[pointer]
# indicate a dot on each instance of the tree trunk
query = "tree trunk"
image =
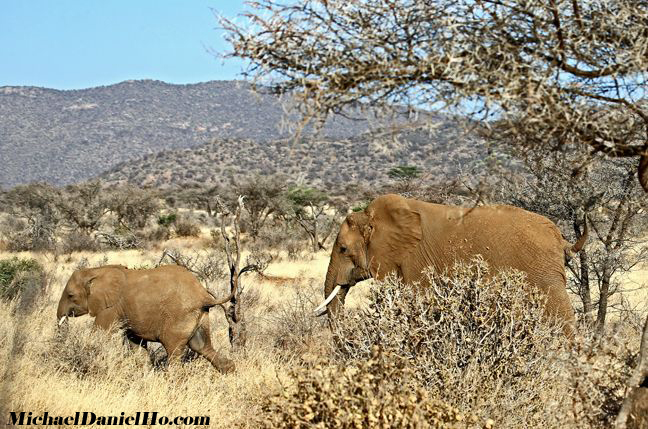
(603, 298)
(584, 286)
(585, 290)
(237, 331)
(634, 412)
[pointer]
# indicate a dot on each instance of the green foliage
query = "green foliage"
(405, 172)
(360, 207)
(380, 392)
(20, 276)
(167, 219)
(303, 196)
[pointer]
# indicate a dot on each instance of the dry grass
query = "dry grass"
(91, 371)
(44, 369)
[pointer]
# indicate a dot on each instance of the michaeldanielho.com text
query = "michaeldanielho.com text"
(89, 418)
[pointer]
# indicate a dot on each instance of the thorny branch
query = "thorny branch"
(548, 73)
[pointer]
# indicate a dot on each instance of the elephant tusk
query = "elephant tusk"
(61, 320)
(323, 305)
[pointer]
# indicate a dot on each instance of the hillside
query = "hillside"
(65, 136)
(323, 162)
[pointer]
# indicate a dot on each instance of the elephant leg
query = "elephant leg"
(558, 305)
(177, 334)
(134, 340)
(107, 319)
(200, 342)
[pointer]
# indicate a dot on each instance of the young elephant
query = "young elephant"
(165, 304)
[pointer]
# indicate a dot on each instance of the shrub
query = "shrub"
(292, 328)
(380, 392)
(36, 236)
(24, 278)
(294, 248)
(87, 353)
(360, 207)
(167, 219)
(76, 241)
(186, 228)
(161, 233)
(478, 341)
(597, 370)
(120, 240)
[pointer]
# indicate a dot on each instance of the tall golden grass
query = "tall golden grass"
(77, 369)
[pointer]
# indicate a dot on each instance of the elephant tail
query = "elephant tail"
(213, 301)
(573, 249)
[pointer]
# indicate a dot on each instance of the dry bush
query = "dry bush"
(120, 239)
(76, 241)
(88, 353)
(294, 248)
(159, 233)
(21, 236)
(597, 370)
(210, 267)
(24, 279)
(291, 327)
(186, 228)
(381, 392)
(475, 340)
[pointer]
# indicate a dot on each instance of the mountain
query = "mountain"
(328, 163)
(63, 137)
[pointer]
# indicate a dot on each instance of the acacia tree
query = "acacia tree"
(608, 195)
(35, 205)
(552, 73)
(264, 196)
(308, 206)
(83, 205)
(132, 206)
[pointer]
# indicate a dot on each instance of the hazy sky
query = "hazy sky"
(69, 44)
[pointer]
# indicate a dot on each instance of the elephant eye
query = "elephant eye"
(343, 249)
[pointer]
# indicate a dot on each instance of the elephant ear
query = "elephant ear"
(103, 289)
(395, 233)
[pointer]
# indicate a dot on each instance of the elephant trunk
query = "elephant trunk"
(61, 311)
(334, 306)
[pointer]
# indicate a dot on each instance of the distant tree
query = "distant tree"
(132, 206)
(264, 196)
(405, 178)
(83, 205)
(308, 206)
(552, 73)
(35, 204)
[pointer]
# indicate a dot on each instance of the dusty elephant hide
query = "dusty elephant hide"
(165, 304)
(404, 236)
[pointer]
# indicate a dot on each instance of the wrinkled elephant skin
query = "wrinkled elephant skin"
(165, 304)
(404, 236)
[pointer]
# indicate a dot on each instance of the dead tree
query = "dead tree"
(634, 412)
(232, 241)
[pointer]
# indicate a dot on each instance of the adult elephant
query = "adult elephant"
(165, 304)
(396, 234)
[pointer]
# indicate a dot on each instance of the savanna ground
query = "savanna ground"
(62, 371)
(41, 377)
